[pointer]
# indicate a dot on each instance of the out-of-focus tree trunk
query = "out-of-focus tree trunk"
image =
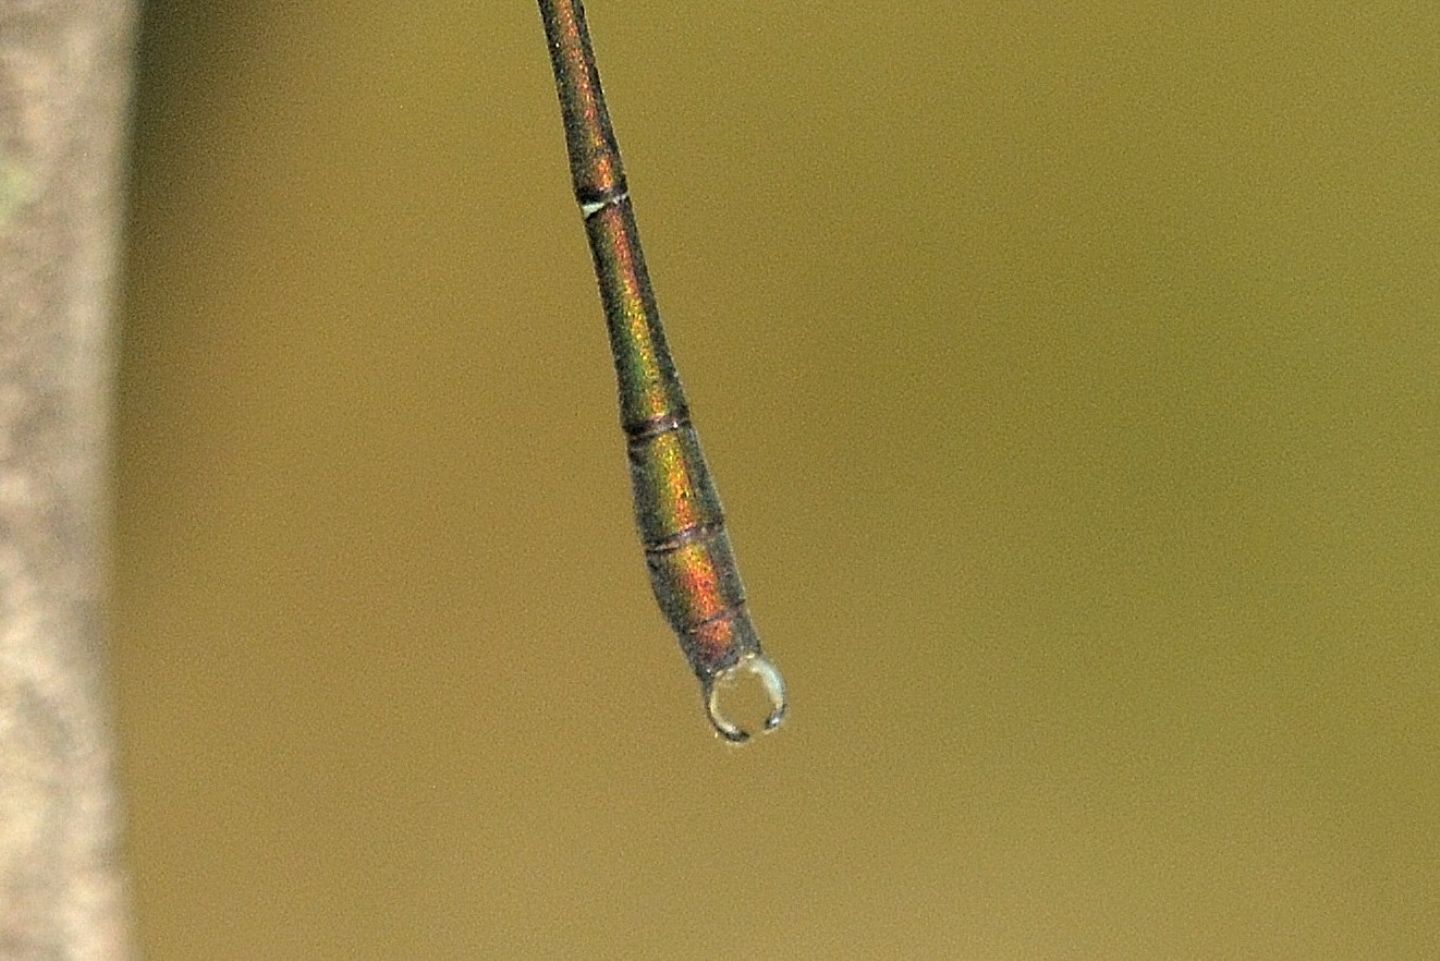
(64, 86)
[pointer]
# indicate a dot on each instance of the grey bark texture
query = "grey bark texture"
(64, 90)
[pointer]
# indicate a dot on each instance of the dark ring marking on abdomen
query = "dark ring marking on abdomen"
(731, 612)
(593, 201)
(696, 533)
(655, 426)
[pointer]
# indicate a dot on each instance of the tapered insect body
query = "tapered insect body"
(692, 568)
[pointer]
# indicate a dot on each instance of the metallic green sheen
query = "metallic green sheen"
(673, 491)
(687, 552)
(649, 385)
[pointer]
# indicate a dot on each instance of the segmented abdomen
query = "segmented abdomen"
(692, 569)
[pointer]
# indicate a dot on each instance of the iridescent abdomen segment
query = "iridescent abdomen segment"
(692, 569)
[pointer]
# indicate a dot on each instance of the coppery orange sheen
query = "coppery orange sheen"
(681, 524)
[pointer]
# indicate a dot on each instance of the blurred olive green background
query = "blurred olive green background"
(1069, 373)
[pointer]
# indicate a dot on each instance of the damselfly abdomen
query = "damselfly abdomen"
(692, 569)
